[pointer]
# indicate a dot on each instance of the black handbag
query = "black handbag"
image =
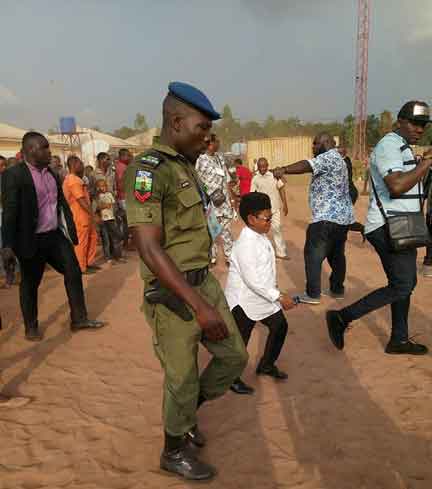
(405, 230)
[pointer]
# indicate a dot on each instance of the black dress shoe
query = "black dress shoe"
(239, 387)
(184, 463)
(336, 328)
(407, 348)
(32, 333)
(272, 371)
(87, 324)
(94, 267)
(195, 436)
(89, 271)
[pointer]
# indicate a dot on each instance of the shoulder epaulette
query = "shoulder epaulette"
(151, 158)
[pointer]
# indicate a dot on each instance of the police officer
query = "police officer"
(183, 303)
(213, 173)
(396, 175)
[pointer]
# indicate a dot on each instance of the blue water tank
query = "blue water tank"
(67, 125)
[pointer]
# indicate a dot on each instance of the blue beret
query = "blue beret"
(194, 97)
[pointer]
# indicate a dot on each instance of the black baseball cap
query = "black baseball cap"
(415, 111)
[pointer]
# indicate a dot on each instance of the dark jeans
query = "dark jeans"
(278, 328)
(52, 248)
(401, 270)
(325, 239)
(111, 240)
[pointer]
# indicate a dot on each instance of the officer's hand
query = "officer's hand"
(286, 302)
(7, 254)
(212, 324)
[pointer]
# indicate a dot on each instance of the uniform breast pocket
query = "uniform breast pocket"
(190, 213)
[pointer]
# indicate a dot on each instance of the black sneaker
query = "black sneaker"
(336, 328)
(271, 371)
(239, 387)
(406, 348)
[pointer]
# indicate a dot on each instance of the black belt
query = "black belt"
(196, 277)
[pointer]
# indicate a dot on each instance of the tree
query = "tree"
(386, 122)
(426, 139)
(227, 113)
(373, 134)
(124, 132)
(347, 133)
(140, 123)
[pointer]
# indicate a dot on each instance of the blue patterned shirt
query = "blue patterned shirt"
(329, 196)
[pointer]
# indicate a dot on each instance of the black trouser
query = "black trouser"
(325, 239)
(111, 239)
(52, 248)
(122, 224)
(401, 270)
(278, 328)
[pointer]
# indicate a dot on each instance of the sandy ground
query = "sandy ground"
(357, 419)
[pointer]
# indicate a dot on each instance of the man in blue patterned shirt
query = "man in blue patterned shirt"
(332, 213)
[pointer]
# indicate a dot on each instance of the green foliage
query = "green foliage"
(386, 122)
(140, 123)
(426, 140)
(373, 134)
(124, 132)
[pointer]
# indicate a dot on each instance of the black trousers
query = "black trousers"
(52, 248)
(111, 239)
(278, 329)
(122, 225)
(401, 270)
(325, 239)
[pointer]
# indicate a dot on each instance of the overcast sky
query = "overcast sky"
(105, 60)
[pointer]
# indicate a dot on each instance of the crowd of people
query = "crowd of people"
(178, 201)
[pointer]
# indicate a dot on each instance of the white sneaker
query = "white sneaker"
(329, 293)
(305, 299)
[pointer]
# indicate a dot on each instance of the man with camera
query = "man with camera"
(396, 186)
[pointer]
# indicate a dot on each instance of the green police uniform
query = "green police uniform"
(162, 189)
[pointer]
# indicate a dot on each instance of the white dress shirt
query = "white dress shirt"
(251, 282)
(268, 184)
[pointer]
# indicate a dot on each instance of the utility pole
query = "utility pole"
(361, 84)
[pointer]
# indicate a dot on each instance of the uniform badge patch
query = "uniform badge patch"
(143, 185)
(151, 160)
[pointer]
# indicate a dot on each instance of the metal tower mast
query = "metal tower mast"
(360, 112)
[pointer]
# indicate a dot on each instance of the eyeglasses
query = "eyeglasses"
(266, 219)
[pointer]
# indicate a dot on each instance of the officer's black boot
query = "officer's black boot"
(176, 458)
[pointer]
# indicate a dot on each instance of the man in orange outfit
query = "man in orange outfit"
(78, 198)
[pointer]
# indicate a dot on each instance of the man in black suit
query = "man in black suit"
(38, 228)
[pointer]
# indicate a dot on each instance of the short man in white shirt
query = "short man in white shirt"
(251, 290)
(265, 182)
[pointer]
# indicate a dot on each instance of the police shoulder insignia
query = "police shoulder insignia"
(152, 160)
(143, 185)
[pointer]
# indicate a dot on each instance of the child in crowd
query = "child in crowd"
(104, 206)
(251, 288)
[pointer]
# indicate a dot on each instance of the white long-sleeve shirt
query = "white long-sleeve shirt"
(251, 282)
